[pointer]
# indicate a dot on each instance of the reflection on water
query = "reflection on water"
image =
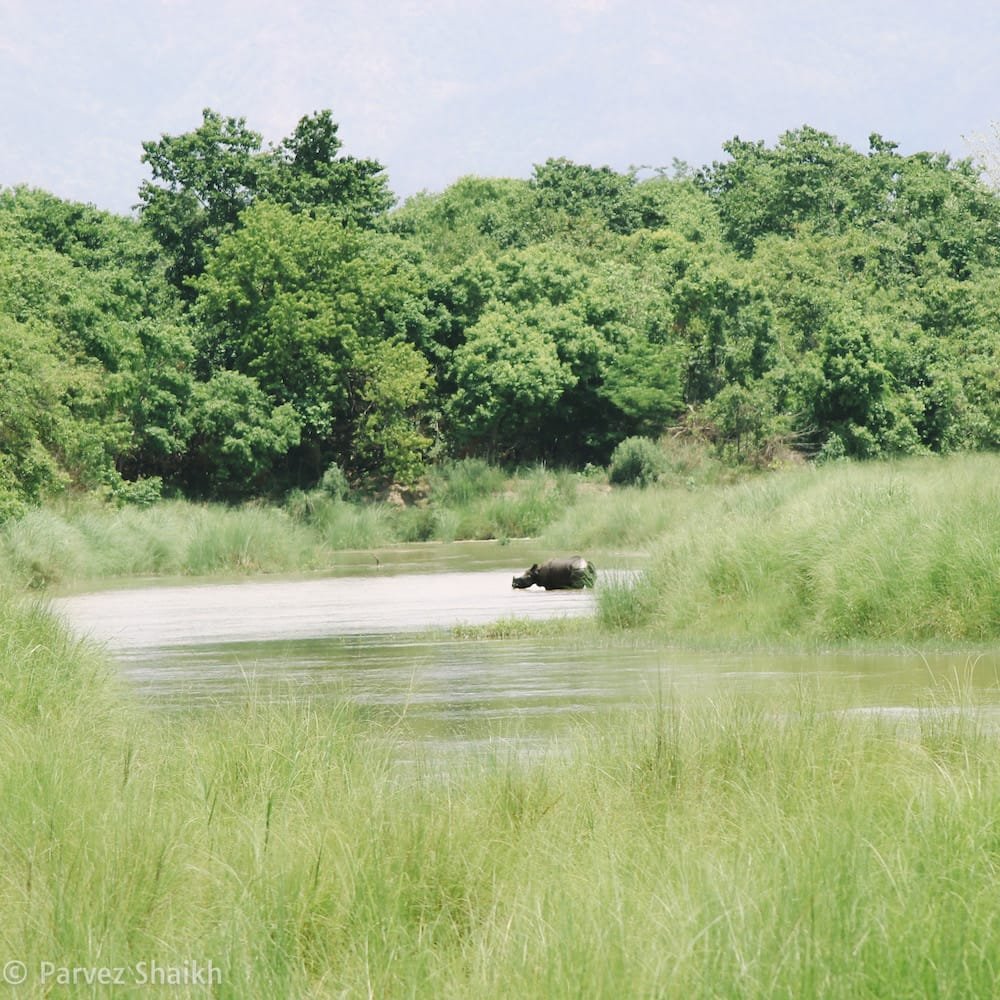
(359, 637)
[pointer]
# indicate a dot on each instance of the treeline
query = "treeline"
(268, 316)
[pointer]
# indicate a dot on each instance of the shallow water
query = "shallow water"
(364, 635)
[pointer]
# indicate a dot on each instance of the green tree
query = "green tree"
(546, 304)
(940, 209)
(644, 381)
(89, 284)
(842, 386)
(509, 381)
(725, 320)
(474, 215)
(204, 179)
(924, 204)
(809, 176)
(237, 435)
(157, 395)
(745, 423)
(37, 432)
(307, 171)
(576, 190)
(681, 205)
(391, 384)
(924, 322)
(322, 317)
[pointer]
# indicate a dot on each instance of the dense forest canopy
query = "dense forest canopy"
(270, 313)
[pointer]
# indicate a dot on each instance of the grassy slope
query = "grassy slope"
(891, 552)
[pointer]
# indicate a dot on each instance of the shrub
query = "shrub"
(334, 482)
(416, 524)
(637, 461)
(144, 492)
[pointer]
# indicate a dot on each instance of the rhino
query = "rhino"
(574, 573)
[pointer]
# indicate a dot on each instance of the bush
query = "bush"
(416, 524)
(334, 482)
(637, 461)
(143, 492)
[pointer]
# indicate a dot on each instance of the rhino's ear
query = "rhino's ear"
(534, 568)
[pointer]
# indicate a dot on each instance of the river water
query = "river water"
(375, 633)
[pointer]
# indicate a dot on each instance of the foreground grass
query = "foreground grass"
(708, 849)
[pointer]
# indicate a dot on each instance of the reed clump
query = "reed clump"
(729, 847)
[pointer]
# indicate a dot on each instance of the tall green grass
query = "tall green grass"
(729, 848)
(86, 540)
(627, 518)
(894, 552)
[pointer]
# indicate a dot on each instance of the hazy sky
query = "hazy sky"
(436, 89)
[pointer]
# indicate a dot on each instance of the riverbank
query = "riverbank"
(83, 541)
(904, 553)
(738, 846)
